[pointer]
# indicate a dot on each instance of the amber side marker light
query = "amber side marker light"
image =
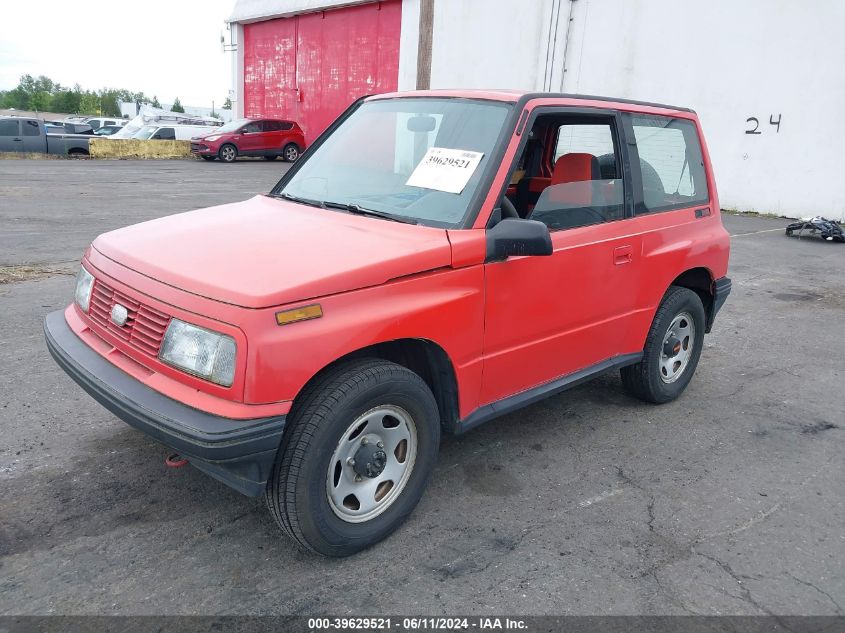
(299, 314)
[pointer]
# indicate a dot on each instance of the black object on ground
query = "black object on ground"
(829, 230)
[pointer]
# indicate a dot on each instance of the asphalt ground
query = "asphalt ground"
(730, 500)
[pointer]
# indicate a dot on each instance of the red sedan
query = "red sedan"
(269, 138)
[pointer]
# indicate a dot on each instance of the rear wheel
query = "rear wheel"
(228, 153)
(672, 349)
(361, 445)
(291, 152)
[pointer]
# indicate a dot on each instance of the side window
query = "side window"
(595, 139)
(586, 184)
(30, 128)
(9, 127)
(272, 126)
(670, 162)
(166, 134)
(250, 128)
(284, 126)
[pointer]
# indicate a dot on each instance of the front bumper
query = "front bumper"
(202, 149)
(240, 453)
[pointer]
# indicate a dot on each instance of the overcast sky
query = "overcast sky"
(166, 48)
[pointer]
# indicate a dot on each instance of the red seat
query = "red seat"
(570, 169)
(575, 167)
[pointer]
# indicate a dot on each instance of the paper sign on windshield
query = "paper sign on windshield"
(445, 169)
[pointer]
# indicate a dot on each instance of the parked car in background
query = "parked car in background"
(402, 281)
(173, 132)
(107, 130)
(18, 134)
(68, 127)
(269, 138)
(98, 122)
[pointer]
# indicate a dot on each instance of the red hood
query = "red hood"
(265, 252)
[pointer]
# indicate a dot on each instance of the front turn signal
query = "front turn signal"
(299, 314)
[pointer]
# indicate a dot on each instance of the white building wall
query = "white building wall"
(484, 44)
(728, 60)
(409, 39)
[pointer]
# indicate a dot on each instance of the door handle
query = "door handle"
(19, 140)
(623, 255)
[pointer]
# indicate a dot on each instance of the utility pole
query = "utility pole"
(424, 45)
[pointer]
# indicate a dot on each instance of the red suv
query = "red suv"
(438, 259)
(252, 137)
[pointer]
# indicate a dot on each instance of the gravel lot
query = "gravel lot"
(730, 500)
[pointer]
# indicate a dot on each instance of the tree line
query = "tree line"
(42, 94)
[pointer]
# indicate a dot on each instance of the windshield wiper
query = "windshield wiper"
(359, 210)
(293, 198)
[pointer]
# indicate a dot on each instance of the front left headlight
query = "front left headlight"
(84, 285)
(195, 350)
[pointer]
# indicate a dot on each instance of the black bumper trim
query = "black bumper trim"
(240, 453)
(721, 290)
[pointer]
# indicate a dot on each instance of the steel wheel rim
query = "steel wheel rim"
(677, 348)
(291, 153)
(354, 497)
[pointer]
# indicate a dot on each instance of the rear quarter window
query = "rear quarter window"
(670, 162)
(30, 128)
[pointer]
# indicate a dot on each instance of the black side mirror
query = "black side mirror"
(512, 237)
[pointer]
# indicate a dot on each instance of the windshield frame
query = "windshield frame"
(488, 174)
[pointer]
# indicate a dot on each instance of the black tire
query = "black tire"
(208, 158)
(297, 489)
(644, 380)
(227, 153)
(291, 152)
(271, 157)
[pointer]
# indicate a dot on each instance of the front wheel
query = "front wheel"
(291, 152)
(356, 458)
(672, 349)
(228, 153)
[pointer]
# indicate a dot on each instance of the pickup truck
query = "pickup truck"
(20, 134)
(436, 259)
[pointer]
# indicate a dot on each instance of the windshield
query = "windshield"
(146, 132)
(414, 158)
(231, 126)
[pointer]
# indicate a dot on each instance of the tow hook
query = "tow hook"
(175, 461)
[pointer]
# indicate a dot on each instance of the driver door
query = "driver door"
(548, 317)
(252, 138)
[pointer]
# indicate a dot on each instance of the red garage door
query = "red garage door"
(311, 67)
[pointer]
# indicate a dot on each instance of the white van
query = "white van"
(173, 132)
